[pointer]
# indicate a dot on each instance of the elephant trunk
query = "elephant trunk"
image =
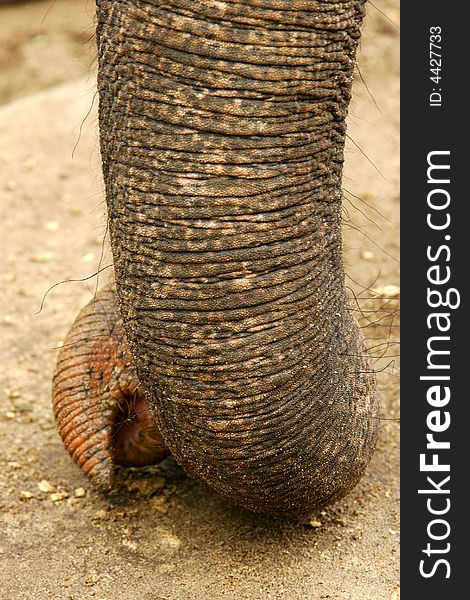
(222, 133)
(99, 409)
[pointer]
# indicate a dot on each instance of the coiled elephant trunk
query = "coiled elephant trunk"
(222, 132)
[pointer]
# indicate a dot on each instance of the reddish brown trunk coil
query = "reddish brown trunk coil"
(99, 406)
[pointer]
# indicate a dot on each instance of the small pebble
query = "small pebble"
(369, 194)
(170, 541)
(46, 486)
(9, 277)
(129, 544)
(14, 465)
(392, 532)
(41, 257)
(11, 185)
(315, 524)
(59, 496)
(13, 394)
(24, 495)
(80, 492)
(88, 257)
(91, 578)
(51, 226)
(101, 515)
(28, 164)
(8, 320)
(10, 414)
(388, 291)
(160, 504)
(147, 487)
(75, 211)
(367, 255)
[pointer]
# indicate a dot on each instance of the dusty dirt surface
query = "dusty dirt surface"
(159, 535)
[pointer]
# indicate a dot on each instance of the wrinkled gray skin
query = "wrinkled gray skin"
(222, 130)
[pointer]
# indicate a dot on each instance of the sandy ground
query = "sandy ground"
(159, 535)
